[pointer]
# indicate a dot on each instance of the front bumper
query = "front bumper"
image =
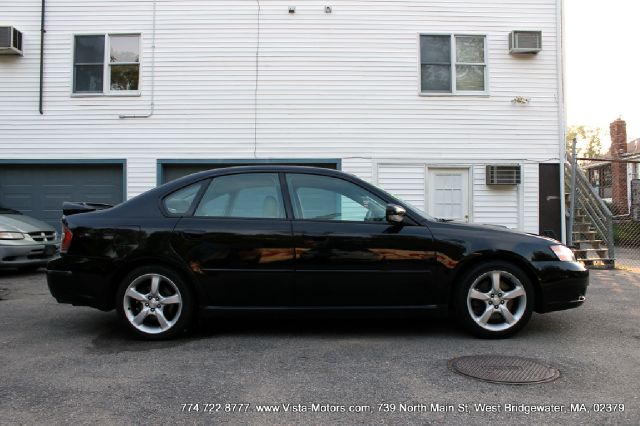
(83, 283)
(563, 285)
(16, 256)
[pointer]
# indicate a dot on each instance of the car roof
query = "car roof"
(260, 168)
(275, 168)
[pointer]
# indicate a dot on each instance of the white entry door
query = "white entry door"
(449, 193)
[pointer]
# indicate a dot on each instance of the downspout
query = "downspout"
(561, 114)
(153, 70)
(42, 31)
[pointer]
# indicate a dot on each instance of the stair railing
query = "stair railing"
(588, 200)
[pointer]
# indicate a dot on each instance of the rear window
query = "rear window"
(180, 201)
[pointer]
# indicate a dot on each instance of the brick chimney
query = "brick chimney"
(618, 130)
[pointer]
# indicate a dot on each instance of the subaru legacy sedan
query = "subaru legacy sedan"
(268, 238)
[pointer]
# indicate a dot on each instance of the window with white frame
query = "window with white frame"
(113, 59)
(453, 64)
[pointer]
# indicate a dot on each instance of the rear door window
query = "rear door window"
(251, 195)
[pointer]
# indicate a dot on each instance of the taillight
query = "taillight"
(67, 236)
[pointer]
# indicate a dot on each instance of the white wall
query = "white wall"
(340, 85)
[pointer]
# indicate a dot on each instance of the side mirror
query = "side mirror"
(395, 213)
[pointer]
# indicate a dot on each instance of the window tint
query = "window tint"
(253, 195)
(180, 201)
(327, 198)
(216, 206)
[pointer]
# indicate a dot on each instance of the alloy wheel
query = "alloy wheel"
(497, 300)
(152, 303)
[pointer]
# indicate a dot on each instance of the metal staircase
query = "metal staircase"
(592, 238)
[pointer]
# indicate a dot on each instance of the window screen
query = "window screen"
(435, 53)
(452, 63)
(88, 73)
(122, 69)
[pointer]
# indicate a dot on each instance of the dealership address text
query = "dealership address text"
(385, 407)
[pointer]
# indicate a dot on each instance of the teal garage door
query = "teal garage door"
(38, 190)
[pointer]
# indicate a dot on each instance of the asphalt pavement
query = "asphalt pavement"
(64, 364)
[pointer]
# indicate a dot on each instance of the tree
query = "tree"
(589, 144)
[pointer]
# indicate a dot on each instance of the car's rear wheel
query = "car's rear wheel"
(494, 300)
(154, 302)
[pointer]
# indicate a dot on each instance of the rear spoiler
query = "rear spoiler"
(74, 207)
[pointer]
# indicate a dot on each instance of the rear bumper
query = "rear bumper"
(16, 256)
(563, 285)
(72, 283)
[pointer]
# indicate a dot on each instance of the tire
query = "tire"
(155, 303)
(489, 311)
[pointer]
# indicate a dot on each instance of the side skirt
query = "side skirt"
(330, 311)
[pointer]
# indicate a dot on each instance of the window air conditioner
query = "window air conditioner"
(525, 41)
(503, 175)
(10, 41)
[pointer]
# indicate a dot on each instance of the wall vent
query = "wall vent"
(503, 175)
(10, 41)
(525, 41)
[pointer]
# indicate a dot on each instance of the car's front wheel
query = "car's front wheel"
(154, 302)
(494, 300)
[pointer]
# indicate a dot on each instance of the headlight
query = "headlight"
(563, 253)
(11, 235)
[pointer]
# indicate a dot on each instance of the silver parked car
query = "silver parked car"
(25, 243)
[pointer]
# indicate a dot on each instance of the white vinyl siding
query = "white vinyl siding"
(340, 85)
(496, 205)
(405, 181)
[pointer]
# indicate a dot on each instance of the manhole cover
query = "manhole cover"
(504, 369)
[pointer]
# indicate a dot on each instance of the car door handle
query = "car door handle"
(193, 233)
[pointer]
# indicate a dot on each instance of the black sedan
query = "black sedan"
(300, 238)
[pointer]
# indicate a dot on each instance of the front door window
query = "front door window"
(327, 198)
